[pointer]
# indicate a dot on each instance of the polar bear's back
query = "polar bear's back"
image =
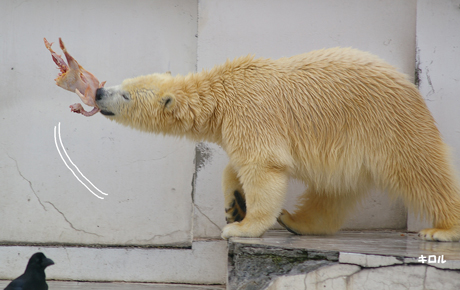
(344, 116)
(347, 93)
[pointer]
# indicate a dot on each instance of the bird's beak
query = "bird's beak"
(47, 262)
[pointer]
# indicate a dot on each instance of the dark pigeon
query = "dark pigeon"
(34, 277)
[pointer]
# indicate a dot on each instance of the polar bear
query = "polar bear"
(340, 120)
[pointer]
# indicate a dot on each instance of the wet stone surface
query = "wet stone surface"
(280, 260)
(255, 266)
(391, 243)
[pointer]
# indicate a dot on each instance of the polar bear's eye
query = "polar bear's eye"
(125, 97)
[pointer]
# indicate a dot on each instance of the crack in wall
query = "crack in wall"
(152, 239)
(203, 155)
(343, 276)
(430, 83)
(304, 282)
(418, 69)
(192, 213)
(198, 208)
(30, 182)
(424, 277)
(148, 242)
(70, 224)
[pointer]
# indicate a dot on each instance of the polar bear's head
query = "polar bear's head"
(146, 103)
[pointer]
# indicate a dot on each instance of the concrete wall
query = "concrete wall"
(148, 178)
(438, 66)
(151, 199)
(438, 70)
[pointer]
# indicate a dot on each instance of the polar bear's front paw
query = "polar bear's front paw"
(240, 230)
(230, 230)
(440, 235)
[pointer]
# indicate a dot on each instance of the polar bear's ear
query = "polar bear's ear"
(168, 101)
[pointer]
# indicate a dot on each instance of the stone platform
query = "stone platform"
(347, 260)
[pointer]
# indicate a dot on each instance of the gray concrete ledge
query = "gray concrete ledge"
(346, 260)
(64, 285)
(204, 263)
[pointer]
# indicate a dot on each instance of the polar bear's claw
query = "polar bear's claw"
(440, 235)
(283, 214)
(237, 210)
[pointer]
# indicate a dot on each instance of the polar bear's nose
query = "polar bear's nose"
(99, 94)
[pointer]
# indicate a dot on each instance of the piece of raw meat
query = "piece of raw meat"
(73, 77)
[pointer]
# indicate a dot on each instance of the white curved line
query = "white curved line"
(63, 148)
(59, 151)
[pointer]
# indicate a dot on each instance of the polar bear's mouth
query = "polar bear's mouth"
(107, 113)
